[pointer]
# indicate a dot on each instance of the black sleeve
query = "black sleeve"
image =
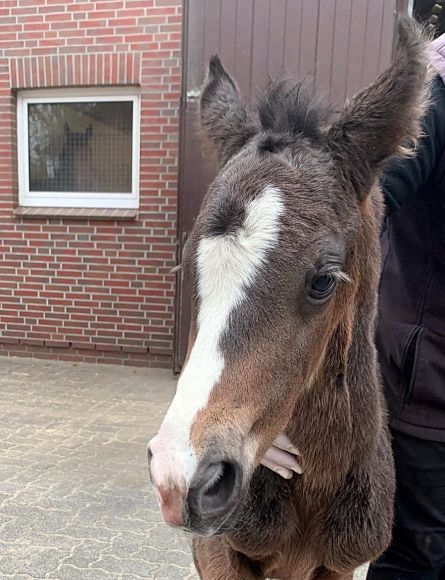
(404, 177)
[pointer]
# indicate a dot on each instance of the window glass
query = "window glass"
(80, 147)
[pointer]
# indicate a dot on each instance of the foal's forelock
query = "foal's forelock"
(227, 267)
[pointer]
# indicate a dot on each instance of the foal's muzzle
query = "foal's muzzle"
(213, 495)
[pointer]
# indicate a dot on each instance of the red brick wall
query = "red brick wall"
(83, 288)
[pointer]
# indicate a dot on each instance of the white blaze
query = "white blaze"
(227, 266)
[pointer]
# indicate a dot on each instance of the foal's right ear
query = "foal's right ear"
(224, 119)
(383, 120)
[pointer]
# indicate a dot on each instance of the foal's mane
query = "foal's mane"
(291, 109)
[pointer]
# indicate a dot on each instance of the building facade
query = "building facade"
(101, 169)
(89, 106)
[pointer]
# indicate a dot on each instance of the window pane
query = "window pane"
(80, 147)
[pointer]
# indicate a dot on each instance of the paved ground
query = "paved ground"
(74, 498)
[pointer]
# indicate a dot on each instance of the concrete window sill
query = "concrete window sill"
(76, 212)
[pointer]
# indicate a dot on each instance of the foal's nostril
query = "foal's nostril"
(219, 483)
(221, 479)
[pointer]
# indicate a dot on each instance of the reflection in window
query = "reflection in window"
(80, 147)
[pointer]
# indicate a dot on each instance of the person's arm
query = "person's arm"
(406, 176)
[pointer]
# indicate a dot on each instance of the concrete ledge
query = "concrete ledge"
(76, 212)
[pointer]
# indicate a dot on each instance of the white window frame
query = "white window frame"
(29, 198)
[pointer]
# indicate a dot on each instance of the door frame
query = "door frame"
(181, 236)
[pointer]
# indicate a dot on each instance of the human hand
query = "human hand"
(282, 457)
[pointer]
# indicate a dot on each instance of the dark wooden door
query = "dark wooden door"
(343, 44)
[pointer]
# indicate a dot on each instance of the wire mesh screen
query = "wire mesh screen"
(81, 147)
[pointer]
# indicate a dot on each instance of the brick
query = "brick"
(101, 14)
(64, 25)
(58, 17)
(84, 345)
(52, 8)
(104, 347)
(83, 6)
(9, 340)
(36, 26)
(52, 42)
(106, 4)
(148, 4)
(33, 342)
(57, 343)
(130, 12)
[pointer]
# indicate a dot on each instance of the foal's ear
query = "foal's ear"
(223, 118)
(383, 120)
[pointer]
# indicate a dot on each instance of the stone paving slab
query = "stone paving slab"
(75, 503)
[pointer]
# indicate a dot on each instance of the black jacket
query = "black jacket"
(411, 325)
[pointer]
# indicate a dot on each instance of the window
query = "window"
(78, 148)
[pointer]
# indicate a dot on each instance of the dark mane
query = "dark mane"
(291, 109)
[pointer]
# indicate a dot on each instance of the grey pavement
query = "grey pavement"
(75, 503)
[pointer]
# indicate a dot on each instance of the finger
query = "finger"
(283, 459)
(283, 442)
(285, 473)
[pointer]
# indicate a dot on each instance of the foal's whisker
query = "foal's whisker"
(176, 269)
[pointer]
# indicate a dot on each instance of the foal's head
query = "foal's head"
(275, 267)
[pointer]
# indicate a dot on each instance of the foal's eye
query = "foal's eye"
(322, 286)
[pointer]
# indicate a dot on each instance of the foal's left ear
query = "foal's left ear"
(383, 120)
(223, 117)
